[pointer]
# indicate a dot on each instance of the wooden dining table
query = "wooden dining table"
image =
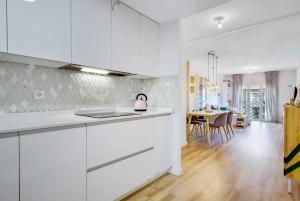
(207, 116)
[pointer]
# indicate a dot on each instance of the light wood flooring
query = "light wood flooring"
(247, 168)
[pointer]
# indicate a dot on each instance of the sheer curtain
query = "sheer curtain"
(271, 96)
(237, 93)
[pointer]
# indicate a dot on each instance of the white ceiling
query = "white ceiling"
(237, 14)
(273, 46)
(258, 36)
(167, 10)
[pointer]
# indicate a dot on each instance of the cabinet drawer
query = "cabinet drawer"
(109, 142)
(113, 181)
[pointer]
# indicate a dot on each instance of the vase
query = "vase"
(297, 99)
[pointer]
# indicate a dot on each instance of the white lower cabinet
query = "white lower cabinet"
(113, 181)
(9, 169)
(53, 165)
(125, 155)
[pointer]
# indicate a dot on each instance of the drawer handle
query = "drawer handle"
(119, 159)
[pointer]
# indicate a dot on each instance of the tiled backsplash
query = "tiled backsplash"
(76, 90)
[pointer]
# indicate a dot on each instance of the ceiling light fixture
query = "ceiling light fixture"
(214, 82)
(210, 54)
(29, 0)
(219, 19)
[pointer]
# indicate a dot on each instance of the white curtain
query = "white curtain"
(271, 96)
(237, 93)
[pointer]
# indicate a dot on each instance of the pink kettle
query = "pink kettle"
(141, 103)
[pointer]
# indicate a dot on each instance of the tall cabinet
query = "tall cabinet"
(9, 168)
(292, 141)
(125, 38)
(40, 29)
(91, 33)
(3, 42)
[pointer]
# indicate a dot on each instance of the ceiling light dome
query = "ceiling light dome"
(219, 19)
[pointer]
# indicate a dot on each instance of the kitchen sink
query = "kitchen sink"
(100, 115)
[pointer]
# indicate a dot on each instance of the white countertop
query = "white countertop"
(42, 120)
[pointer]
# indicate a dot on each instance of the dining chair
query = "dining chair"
(197, 124)
(230, 123)
(220, 122)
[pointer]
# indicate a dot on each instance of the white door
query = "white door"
(3, 42)
(149, 47)
(9, 169)
(40, 29)
(53, 166)
(125, 39)
(91, 33)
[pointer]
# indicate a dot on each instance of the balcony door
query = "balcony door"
(254, 103)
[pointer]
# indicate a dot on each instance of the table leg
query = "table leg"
(207, 130)
(188, 132)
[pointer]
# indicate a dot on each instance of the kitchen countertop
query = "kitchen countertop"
(28, 122)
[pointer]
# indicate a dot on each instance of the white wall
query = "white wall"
(254, 80)
(285, 79)
(199, 70)
(170, 64)
(298, 75)
(226, 92)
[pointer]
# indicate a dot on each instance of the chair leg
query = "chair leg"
(228, 130)
(231, 129)
(193, 130)
(220, 133)
(197, 129)
(213, 131)
(225, 133)
(200, 130)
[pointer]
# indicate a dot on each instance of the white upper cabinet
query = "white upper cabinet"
(149, 47)
(91, 33)
(3, 42)
(9, 169)
(125, 39)
(40, 29)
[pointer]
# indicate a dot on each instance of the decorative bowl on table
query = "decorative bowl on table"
(223, 108)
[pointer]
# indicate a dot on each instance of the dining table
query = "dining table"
(208, 115)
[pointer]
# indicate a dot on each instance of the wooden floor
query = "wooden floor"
(248, 168)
